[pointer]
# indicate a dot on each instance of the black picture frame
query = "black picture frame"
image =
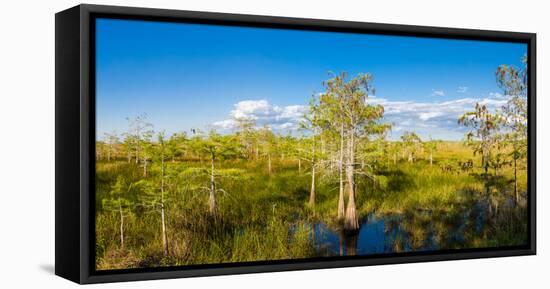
(75, 137)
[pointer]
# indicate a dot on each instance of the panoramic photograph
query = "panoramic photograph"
(226, 144)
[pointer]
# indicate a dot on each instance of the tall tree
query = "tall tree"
(358, 119)
(268, 144)
(141, 132)
(332, 104)
(111, 140)
(514, 83)
(177, 146)
(430, 146)
(312, 122)
(246, 127)
(484, 129)
(161, 155)
(217, 147)
(411, 142)
(128, 145)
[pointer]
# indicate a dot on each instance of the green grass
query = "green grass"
(266, 217)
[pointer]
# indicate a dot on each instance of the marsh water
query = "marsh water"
(412, 231)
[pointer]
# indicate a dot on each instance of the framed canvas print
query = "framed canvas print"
(193, 144)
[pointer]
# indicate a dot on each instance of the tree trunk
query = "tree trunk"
(351, 222)
(137, 152)
(164, 237)
(121, 225)
(212, 197)
(144, 167)
(395, 158)
(299, 166)
(341, 208)
(431, 159)
(312, 191)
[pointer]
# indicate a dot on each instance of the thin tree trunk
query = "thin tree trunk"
(312, 191)
(431, 159)
(212, 197)
(144, 167)
(299, 166)
(121, 225)
(341, 205)
(137, 149)
(351, 222)
(164, 237)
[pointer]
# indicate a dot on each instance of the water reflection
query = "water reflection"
(392, 233)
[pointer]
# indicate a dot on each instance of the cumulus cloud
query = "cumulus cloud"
(438, 92)
(462, 89)
(435, 119)
(264, 113)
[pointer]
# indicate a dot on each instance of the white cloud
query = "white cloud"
(264, 113)
(430, 114)
(462, 89)
(435, 119)
(224, 124)
(438, 92)
(429, 119)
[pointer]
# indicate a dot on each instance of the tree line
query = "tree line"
(343, 134)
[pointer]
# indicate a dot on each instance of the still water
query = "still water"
(391, 233)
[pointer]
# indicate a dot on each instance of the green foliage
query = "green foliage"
(159, 194)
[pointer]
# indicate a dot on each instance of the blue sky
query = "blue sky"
(198, 76)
